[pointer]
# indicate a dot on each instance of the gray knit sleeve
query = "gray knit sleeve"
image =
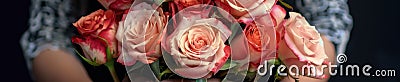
(49, 28)
(331, 18)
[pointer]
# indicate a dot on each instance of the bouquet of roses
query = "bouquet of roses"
(175, 40)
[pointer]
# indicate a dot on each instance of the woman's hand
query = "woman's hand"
(58, 66)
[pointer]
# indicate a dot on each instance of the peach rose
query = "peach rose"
(302, 44)
(269, 16)
(278, 14)
(261, 44)
(97, 32)
(95, 22)
(198, 44)
(239, 8)
(260, 32)
(140, 34)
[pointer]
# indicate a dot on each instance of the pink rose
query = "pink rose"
(239, 8)
(95, 22)
(302, 44)
(97, 33)
(260, 32)
(278, 14)
(116, 5)
(197, 44)
(261, 44)
(141, 33)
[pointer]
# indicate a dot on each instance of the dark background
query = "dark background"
(374, 39)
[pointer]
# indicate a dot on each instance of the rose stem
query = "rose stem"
(110, 66)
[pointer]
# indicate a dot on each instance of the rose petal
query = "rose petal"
(195, 72)
(126, 60)
(300, 36)
(209, 55)
(93, 48)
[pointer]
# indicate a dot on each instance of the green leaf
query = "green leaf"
(87, 60)
(228, 64)
(285, 4)
(155, 67)
(251, 74)
(274, 61)
(201, 80)
(165, 72)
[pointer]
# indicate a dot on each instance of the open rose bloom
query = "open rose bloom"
(262, 44)
(302, 45)
(199, 45)
(195, 46)
(140, 34)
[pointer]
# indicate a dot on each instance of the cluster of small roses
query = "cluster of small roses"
(197, 34)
